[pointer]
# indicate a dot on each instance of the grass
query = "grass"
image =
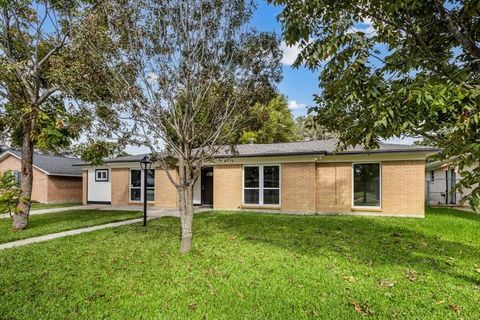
(253, 266)
(61, 221)
(41, 206)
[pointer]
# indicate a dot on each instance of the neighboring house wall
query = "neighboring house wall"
(64, 189)
(438, 189)
(39, 187)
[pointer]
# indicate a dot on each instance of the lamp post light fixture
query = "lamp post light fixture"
(145, 164)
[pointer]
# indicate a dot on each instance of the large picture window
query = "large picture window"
(136, 185)
(366, 185)
(261, 185)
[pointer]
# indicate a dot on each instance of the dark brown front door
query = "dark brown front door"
(207, 187)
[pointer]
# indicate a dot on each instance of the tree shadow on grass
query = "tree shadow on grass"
(369, 241)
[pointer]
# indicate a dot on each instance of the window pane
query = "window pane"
(136, 178)
(366, 188)
(252, 177)
(271, 177)
(150, 194)
(252, 196)
(271, 196)
(151, 178)
(135, 195)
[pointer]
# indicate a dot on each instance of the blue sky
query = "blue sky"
(299, 84)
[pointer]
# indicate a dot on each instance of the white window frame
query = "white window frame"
(142, 177)
(260, 185)
(97, 179)
(379, 181)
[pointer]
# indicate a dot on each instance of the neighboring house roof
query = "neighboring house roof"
(317, 147)
(50, 165)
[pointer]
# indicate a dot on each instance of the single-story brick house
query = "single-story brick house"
(297, 177)
(55, 178)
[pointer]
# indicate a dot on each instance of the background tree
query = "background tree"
(43, 70)
(196, 72)
(309, 129)
(415, 71)
(270, 123)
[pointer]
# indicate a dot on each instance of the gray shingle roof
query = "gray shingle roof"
(54, 165)
(317, 147)
(320, 147)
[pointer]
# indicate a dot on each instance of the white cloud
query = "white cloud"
(290, 53)
(364, 26)
(294, 105)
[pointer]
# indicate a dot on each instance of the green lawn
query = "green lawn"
(41, 206)
(253, 266)
(61, 221)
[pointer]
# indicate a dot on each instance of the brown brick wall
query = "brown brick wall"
(166, 195)
(333, 187)
(120, 180)
(64, 189)
(84, 187)
(403, 187)
(298, 187)
(227, 186)
(39, 188)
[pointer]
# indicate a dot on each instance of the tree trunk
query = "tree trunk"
(20, 218)
(186, 217)
(185, 193)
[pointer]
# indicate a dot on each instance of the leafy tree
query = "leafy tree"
(309, 129)
(198, 66)
(9, 193)
(269, 123)
(414, 72)
(47, 81)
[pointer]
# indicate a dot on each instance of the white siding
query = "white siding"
(99, 190)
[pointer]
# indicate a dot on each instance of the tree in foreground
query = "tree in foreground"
(44, 69)
(196, 74)
(395, 68)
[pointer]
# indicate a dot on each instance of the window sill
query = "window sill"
(370, 209)
(259, 206)
(140, 202)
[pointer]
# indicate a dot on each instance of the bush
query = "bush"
(9, 193)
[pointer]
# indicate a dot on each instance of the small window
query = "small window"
(366, 185)
(432, 176)
(101, 175)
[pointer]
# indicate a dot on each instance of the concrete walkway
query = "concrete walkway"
(52, 210)
(151, 215)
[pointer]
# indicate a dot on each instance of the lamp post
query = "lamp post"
(145, 164)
